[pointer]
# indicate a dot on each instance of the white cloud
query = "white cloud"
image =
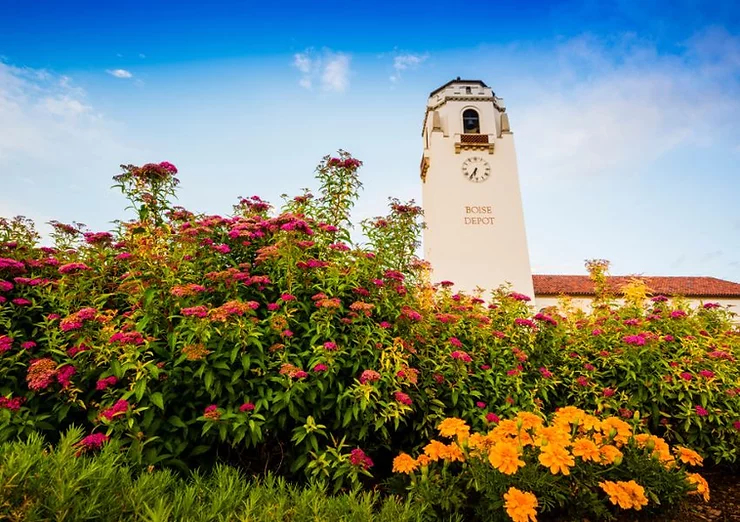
(403, 62)
(120, 73)
(336, 73)
(613, 109)
(329, 69)
(50, 134)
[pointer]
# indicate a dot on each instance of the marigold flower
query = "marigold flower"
(520, 505)
(702, 488)
(610, 454)
(628, 495)
(504, 456)
(557, 458)
(613, 426)
(552, 435)
(435, 450)
(454, 427)
(689, 456)
(404, 463)
(586, 449)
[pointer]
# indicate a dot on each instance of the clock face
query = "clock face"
(476, 169)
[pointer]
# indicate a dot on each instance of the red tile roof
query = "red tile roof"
(658, 285)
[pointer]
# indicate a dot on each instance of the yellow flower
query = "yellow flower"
(454, 427)
(557, 459)
(504, 456)
(589, 422)
(435, 450)
(552, 435)
(586, 449)
(610, 454)
(702, 488)
(689, 456)
(520, 505)
(404, 463)
(478, 444)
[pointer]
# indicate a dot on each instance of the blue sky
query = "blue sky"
(626, 114)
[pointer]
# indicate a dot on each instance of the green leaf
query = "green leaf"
(157, 399)
(177, 421)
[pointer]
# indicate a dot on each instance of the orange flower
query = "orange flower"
(586, 449)
(435, 450)
(617, 495)
(617, 428)
(552, 435)
(504, 456)
(610, 455)
(404, 463)
(689, 456)
(568, 415)
(702, 488)
(454, 427)
(528, 420)
(454, 453)
(557, 459)
(520, 505)
(423, 460)
(636, 494)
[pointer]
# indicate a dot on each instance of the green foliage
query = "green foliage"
(42, 483)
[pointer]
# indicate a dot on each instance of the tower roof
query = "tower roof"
(456, 80)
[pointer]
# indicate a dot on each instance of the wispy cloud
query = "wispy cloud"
(606, 109)
(329, 69)
(50, 134)
(120, 73)
(403, 62)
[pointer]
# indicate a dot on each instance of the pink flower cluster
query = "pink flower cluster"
(546, 319)
(636, 340)
(11, 403)
(6, 342)
(119, 408)
(358, 458)
(369, 376)
(525, 322)
(461, 356)
(71, 268)
(402, 398)
(519, 297)
(247, 406)
(11, 265)
(127, 338)
(348, 163)
(106, 383)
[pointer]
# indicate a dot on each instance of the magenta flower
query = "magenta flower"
(709, 306)
(196, 311)
(320, 368)
(686, 376)
(106, 383)
(369, 376)
(589, 367)
(677, 314)
(21, 301)
(169, 167)
(736, 425)
(272, 306)
(211, 412)
(64, 375)
(668, 338)
(92, 442)
(492, 418)
(287, 333)
(525, 322)
(519, 297)
(330, 345)
(636, 340)
(5, 286)
(6, 342)
(461, 356)
(701, 412)
(545, 372)
(454, 341)
(480, 404)
(119, 408)
(582, 381)
(608, 392)
(11, 403)
(402, 398)
(485, 367)
(71, 268)
(28, 345)
(385, 324)
(358, 458)
(707, 373)
(247, 406)
(659, 299)
(288, 297)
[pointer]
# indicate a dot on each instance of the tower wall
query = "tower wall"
(475, 233)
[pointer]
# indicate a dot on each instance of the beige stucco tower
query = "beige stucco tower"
(474, 234)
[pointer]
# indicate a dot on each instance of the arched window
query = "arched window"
(471, 122)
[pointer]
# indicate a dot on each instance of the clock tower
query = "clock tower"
(474, 233)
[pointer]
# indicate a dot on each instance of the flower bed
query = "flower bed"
(271, 340)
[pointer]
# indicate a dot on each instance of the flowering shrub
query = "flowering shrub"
(270, 338)
(577, 465)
